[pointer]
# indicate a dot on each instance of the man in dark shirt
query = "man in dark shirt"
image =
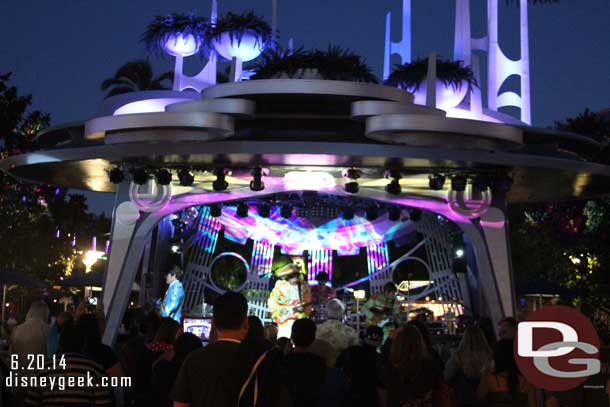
(305, 372)
(207, 378)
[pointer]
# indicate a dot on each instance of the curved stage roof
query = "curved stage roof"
(294, 125)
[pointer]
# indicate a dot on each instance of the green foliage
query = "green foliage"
(570, 240)
(236, 25)
(30, 215)
(334, 63)
(593, 125)
(18, 127)
(135, 76)
(163, 28)
(411, 75)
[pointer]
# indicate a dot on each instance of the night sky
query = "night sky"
(61, 50)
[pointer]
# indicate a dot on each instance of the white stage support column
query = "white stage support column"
(124, 221)
(491, 249)
(494, 225)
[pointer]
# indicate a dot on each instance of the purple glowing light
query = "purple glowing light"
(447, 96)
(181, 45)
(246, 48)
(296, 235)
(147, 106)
(313, 181)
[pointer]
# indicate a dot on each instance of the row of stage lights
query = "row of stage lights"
(436, 182)
(140, 176)
(371, 213)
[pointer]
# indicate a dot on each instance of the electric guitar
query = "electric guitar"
(287, 312)
(379, 317)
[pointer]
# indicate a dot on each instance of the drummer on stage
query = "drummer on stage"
(320, 295)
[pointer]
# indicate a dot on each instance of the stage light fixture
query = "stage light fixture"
(415, 214)
(242, 210)
(185, 177)
(140, 176)
(481, 182)
(176, 248)
(310, 197)
(351, 187)
(286, 211)
(504, 183)
(459, 265)
(458, 183)
(215, 210)
(347, 213)
(436, 182)
(163, 177)
(116, 175)
(264, 210)
(220, 184)
(352, 174)
(393, 187)
(372, 213)
(257, 183)
(459, 252)
(394, 213)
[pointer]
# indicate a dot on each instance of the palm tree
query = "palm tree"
(334, 63)
(135, 76)
(411, 75)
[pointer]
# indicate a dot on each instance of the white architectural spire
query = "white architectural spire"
(401, 48)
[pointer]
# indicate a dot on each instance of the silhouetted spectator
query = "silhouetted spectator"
(507, 328)
(207, 376)
(165, 370)
(464, 367)
(411, 376)
(95, 349)
(71, 344)
(362, 366)
(505, 386)
(304, 372)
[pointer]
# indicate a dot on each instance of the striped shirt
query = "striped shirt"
(79, 384)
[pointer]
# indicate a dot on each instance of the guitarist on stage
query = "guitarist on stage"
(289, 300)
(382, 308)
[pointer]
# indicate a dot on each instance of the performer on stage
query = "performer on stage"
(382, 308)
(174, 296)
(289, 300)
(320, 295)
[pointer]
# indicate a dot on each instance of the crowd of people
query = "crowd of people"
(324, 363)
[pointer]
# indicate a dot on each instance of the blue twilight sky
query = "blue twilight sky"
(61, 50)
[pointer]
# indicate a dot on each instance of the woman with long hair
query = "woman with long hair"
(410, 376)
(464, 367)
(505, 387)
